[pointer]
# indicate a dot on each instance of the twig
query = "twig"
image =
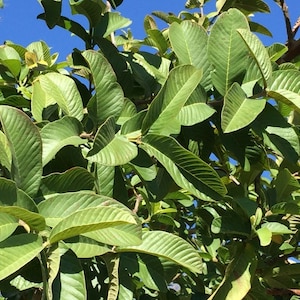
(296, 27)
(138, 200)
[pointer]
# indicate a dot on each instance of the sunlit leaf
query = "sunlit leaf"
(25, 146)
(170, 247)
(8, 224)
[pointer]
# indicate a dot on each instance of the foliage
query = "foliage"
(168, 174)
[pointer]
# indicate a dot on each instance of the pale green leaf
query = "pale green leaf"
(265, 236)
(189, 42)
(181, 83)
(10, 58)
(276, 228)
(186, 169)
(26, 148)
(5, 154)
(170, 247)
(157, 40)
(195, 113)
(107, 145)
(63, 90)
(90, 219)
(226, 52)
(16, 251)
(8, 224)
(276, 50)
(23, 284)
(58, 134)
(109, 98)
(104, 179)
(260, 54)
(128, 111)
(239, 111)
(41, 50)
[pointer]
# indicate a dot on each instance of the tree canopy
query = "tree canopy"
(161, 168)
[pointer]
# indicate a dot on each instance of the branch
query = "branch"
(289, 31)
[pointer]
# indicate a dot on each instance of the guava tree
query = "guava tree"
(170, 173)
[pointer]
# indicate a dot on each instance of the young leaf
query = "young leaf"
(189, 42)
(181, 83)
(226, 51)
(109, 98)
(168, 246)
(260, 54)
(10, 58)
(186, 169)
(107, 145)
(239, 111)
(26, 148)
(16, 251)
(63, 90)
(60, 133)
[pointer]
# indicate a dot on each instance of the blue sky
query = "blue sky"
(18, 21)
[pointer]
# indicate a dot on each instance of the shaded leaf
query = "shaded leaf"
(52, 11)
(186, 169)
(16, 251)
(8, 224)
(60, 133)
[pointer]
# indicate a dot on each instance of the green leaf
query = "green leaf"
(226, 51)
(12, 196)
(53, 264)
(52, 11)
(182, 81)
(85, 247)
(248, 7)
(276, 228)
(5, 153)
(90, 219)
(34, 220)
(276, 50)
(16, 251)
(186, 169)
(71, 282)
(109, 99)
(265, 236)
(41, 50)
(71, 26)
(91, 9)
(58, 134)
(59, 206)
(104, 179)
(285, 184)
(10, 58)
(109, 23)
(73, 180)
(260, 54)
(26, 148)
(239, 111)
(63, 90)
(128, 111)
(168, 246)
(158, 40)
(8, 224)
(189, 42)
(256, 27)
(238, 276)
(107, 145)
(118, 235)
(285, 87)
